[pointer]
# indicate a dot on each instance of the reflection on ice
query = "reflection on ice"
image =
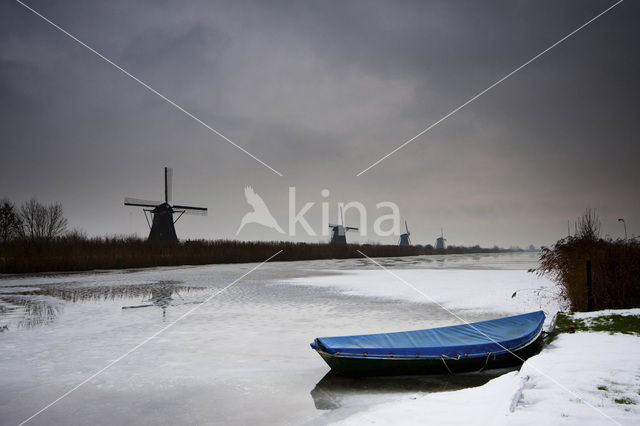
(333, 390)
(24, 310)
(161, 296)
(30, 306)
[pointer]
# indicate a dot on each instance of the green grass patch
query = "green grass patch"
(626, 401)
(602, 388)
(625, 324)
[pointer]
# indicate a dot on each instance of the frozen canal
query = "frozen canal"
(244, 357)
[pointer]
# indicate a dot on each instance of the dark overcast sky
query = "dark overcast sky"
(320, 90)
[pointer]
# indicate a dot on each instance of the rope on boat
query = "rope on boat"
(443, 356)
(486, 361)
(445, 364)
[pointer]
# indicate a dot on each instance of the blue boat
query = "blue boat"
(498, 343)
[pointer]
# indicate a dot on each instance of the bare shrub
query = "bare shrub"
(589, 226)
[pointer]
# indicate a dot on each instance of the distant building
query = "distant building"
(404, 238)
(338, 232)
(440, 241)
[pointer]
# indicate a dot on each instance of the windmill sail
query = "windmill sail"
(199, 211)
(128, 201)
(168, 184)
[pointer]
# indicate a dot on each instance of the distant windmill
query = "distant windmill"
(404, 238)
(440, 240)
(338, 235)
(162, 227)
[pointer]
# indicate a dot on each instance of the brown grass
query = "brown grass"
(615, 267)
(78, 253)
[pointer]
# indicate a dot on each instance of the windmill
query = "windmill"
(404, 238)
(162, 226)
(440, 240)
(338, 235)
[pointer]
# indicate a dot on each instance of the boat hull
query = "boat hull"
(368, 366)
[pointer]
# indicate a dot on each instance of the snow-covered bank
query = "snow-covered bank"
(579, 379)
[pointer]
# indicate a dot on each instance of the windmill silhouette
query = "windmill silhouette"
(163, 224)
(260, 213)
(338, 235)
(440, 240)
(404, 238)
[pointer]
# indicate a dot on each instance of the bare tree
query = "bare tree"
(32, 216)
(9, 221)
(56, 223)
(42, 222)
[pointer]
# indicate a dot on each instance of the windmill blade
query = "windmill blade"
(331, 225)
(128, 201)
(350, 228)
(341, 216)
(406, 227)
(168, 184)
(200, 211)
(196, 212)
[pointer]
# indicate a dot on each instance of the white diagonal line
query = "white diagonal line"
(563, 387)
(491, 87)
(121, 357)
(146, 86)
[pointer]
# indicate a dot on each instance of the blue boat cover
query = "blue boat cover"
(459, 341)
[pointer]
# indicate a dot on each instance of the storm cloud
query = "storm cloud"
(319, 91)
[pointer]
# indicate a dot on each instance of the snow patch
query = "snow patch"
(580, 379)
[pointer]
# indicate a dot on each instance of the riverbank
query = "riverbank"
(586, 377)
(85, 254)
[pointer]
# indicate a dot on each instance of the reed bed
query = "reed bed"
(615, 269)
(79, 253)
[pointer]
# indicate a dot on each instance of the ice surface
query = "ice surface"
(242, 358)
(496, 291)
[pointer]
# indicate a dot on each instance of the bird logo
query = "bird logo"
(260, 214)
